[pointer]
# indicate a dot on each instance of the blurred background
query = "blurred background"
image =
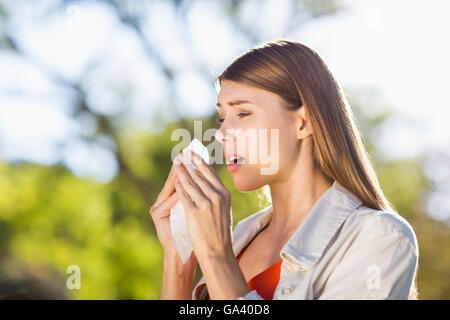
(90, 92)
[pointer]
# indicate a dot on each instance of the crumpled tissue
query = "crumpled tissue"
(177, 217)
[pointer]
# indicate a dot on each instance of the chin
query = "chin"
(247, 182)
(246, 187)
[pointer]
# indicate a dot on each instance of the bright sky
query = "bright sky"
(401, 48)
(398, 47)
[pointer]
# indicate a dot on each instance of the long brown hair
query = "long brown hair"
(300, 77)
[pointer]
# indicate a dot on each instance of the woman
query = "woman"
(330, 233)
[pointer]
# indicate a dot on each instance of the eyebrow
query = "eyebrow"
(235, 102)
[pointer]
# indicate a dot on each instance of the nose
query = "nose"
(224, 136)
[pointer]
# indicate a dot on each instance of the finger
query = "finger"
(163, 210)
(168, 188)
(198, 177)
(186, 201)
(189, 185)
(208, 172)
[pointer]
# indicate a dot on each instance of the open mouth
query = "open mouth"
(235, 160)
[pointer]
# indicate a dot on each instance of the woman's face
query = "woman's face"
(261, 132)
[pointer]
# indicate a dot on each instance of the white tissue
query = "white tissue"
(177, 217)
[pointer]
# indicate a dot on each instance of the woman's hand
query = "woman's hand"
(160, 212)
(177, 277)
(207, 205)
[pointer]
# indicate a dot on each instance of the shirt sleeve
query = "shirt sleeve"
(252, 295)
(381, 267)
(200, 293)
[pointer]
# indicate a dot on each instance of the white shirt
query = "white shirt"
(341, 250)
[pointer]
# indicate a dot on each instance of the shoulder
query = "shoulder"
(368, 223)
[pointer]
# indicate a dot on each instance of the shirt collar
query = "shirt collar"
(309, 241)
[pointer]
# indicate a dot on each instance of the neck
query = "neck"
(293, 197)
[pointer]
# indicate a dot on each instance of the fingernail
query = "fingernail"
(196, 159)
(177, 161)
(184, 158)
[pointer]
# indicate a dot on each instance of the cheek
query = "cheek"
(271, 153)
(287, 148)
(258, 138)
(276, 145)
(268, 146)
(266, 140)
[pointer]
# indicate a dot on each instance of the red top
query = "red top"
(266, 281)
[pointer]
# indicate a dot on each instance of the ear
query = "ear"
(303, 125)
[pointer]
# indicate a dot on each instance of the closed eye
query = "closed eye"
(243, 114)
(239, 115)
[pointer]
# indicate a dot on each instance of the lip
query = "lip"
(233, 166)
